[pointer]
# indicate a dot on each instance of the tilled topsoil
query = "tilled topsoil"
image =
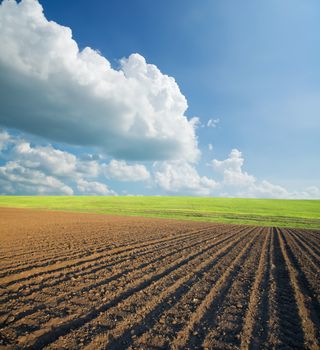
(89, 281)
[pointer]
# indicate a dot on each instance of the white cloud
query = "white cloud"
(120, 170)
(93, 188)
(4, 138)
(262, 189)
(231, 168)
(47, 158)
(61, 163)
(311, 192)
(16, 179)
(34, 169)
(238, 183)
(42, 165)
(44, 169)
(234, 162)
(180, 177)
(210, 147)
(242, 184)
(195, 122)
(53, 161)
(212, 123)
(50, 88)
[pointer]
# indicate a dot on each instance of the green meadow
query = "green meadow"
(263, 212)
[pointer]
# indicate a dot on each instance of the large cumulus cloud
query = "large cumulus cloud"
(51, 88)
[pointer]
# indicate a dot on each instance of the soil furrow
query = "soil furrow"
(286, 325)
(262, 315)
(313, 244)
(306, 261)
(304, 245)
(48, 333)
(315, 235)
(222, 324)
(183, 337)
(156, 304)
(308, 306)
(111, 276)
(92, 282)
(7, 281)
(176, 317)
(104, 250)
(255, 317)
(35, 285)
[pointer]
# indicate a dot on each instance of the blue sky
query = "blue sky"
(254, 66)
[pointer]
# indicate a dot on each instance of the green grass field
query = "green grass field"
(264, 212)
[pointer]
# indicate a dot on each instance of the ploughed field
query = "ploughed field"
(88, 281)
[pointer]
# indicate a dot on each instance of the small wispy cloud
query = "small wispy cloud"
(212, 123)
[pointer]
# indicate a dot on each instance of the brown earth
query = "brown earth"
(87, 281)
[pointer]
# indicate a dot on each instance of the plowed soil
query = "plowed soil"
(87, 281)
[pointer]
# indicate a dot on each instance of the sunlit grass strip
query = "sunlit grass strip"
(263, 212)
